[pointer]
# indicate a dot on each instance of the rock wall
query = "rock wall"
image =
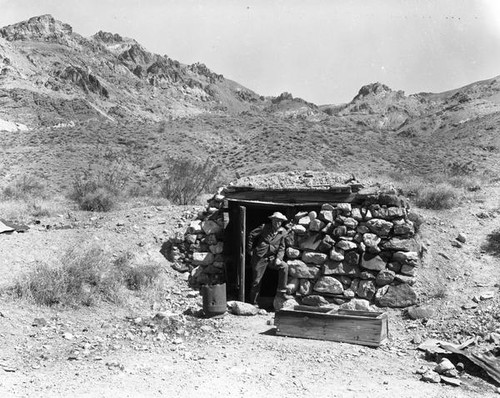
(200, 250)
(344, 251)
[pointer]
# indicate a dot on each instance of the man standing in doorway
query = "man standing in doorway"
(266, 244)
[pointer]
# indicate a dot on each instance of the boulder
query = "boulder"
(241, 308)
(314, 300)
(399, 296)
(357, 305)
(408, 258)
(328, 284)
(211, 227)
(299, 269)
(372, 262)
(379, 226)
(314, 258)
(418, 312)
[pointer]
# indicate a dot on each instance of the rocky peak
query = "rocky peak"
(108, 37)
(373, 89)
(43, 27)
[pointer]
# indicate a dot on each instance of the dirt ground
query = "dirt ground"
(109, 350)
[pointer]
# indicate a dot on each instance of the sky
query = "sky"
(320, 50)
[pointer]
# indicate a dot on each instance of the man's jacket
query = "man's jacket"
(264, 242)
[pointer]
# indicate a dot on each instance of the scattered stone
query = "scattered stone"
(469, 306)
(68, 336)
(39, 322)
(241, 308)
(451, 381)
(417, 339)
(444, 366)
(487, 295)
(457, 244)
(262, 312)
(461, 237)
(419, 312)
(431, 377)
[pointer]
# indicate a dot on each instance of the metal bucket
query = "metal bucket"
(214, 299)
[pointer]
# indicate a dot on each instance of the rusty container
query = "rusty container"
(214, 299)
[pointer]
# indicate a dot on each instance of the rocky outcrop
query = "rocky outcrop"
(83, 79)
(43, 27)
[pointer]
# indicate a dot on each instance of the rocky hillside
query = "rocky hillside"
(51, 75)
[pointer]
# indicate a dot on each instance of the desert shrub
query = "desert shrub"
(441, 196)
(99, 200)
(187, 179)
(24, 187)
(492, 244)
(103, 183)
(85, 276)
(82, 278)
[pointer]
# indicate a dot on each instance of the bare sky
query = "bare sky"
(319, 50)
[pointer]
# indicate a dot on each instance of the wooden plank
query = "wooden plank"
(288, 196)
(365, 330)
(309, 308)
(243, 234)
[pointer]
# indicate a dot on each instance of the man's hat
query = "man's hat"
(278, 216)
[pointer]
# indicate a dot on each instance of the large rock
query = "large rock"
(328, 284)
(379, 226)
(326, 244)
(339, 268)
(241, 308)
(203, 258)
(299, 269)
(399, 296)
(314, 300)
(211, 227)
(357, 305)
(373, 262)
(406, 258)
(402, 227)
(326, 216)
(372, 241)
(400, 244)
(314, 258)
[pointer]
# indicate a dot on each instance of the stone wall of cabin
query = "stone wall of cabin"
(366, 249)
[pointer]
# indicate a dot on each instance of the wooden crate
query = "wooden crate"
(357, 327)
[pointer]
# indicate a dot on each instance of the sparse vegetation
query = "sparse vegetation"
(85, 276)
(492, 244)
(24, 187)
(441, 196)
(187, 179)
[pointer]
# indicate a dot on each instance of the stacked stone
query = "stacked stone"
(200, 250)
(347, 251)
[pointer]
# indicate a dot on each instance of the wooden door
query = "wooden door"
(242, 251)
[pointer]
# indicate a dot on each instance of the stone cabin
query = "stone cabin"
(344, 242)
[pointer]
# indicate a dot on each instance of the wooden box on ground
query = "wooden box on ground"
(358, 327)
